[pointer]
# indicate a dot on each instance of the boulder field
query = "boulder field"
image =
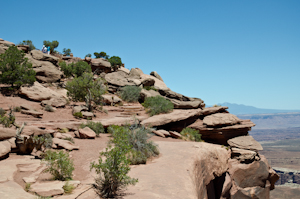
(226, 165)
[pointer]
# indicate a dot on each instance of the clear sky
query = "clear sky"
(237, 51)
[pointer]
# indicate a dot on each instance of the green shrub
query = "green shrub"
(113, 171)
(75, 69)
(2, 112)
(88, 55)
(59, 165)
(67, 52)
(7, 121)
(45, 138)
(15, 69)
(86, 88)
(27, 187)
(136, 137)
(95, 126)
(52, 44)
(17, 109)
(115, 61)
(68, 188)
(29, 43)
(148, 88)
(158, 104)
(130, 93)
(78, 115)
(191, 134)
(70, 139)
(101, 55)
(49, 108)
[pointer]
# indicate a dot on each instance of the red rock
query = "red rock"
(86, 133)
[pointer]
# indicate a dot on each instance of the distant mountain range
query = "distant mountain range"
(240, 109)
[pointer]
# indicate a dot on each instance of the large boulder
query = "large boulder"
(160, 85)
(5, 148)
(101, 64)
(52, 188)
(39, 55)
(245, 142)
(38, 92)
(221, 119)
(135, 73)
(155, 74)
(65, 144)
(86, 133)
(118, 78)
(48, 73)
(148, 93)
(111, 99)
(7, 133)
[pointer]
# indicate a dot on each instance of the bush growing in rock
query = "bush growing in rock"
(101, 55)
(88, 55)
(75, 69)
(85, 88)
(59, 165)
(158, 104)
(115, 61)
(52, 44)
(130, 93)
(29, 43)
(15, 69)
(7, 121)
(191, 134)
(113, 171)
(136, 137)
(95, 126)
(67, 52)
(17, 109)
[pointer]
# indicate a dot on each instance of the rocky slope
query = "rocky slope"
(227, 165)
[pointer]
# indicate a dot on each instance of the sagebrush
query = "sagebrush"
(191, 134)
(130, 93)
(59, 165)
(158, 104)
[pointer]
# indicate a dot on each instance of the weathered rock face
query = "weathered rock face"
(118, 78)
(7, 133)
(48, 73)
(5, 148)
(101, 64)
(39, 55)
(111, 99)
(155, 74)
(145, 93)
(38, 92)
(220, 119)
(245, 142)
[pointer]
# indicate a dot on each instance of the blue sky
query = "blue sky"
(237, 51)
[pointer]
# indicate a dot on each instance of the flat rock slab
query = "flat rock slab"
(245, 142)
(221, 119)
(175, 116)
(9, 166)
(12, 190)
(34, 176)
(170, 176)
(51, 188)
(33, 113)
